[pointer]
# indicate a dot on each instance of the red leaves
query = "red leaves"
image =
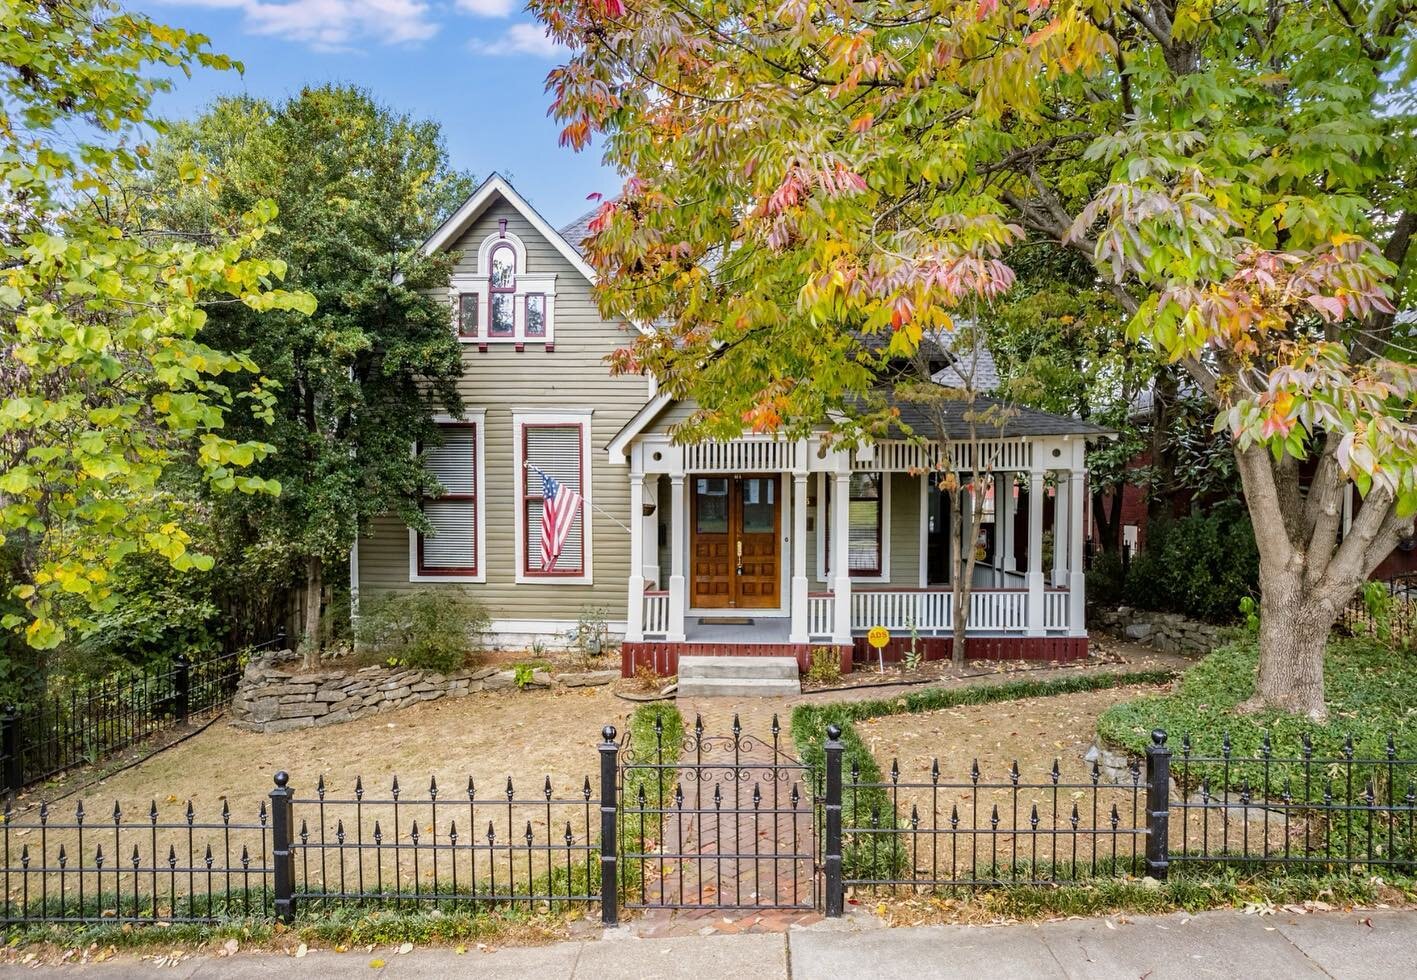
(609, 8)
(985, 8)
(603, 214)
(902, 311)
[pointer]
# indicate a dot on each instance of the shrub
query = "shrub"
(825, 667)
(591, 637)
(1200, 565)
(430, 629)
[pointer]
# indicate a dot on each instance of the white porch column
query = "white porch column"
(1061, 517)
(635, 620)
(677, 594)
(1077, 589)
(1035, 553)
(1004, 515)
(841, 560)
(799, 557)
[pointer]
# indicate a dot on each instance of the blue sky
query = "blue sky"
(475, 66)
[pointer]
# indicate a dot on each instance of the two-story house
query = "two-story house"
(722, 547)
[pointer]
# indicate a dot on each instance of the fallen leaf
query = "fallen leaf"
(377, 964)
(405, 948)
(301, 950)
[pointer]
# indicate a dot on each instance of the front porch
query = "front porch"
(733, 553)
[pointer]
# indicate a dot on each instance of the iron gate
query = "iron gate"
(731, 823)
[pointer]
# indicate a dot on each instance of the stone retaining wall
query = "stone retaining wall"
(274, 696)
(1165, 632)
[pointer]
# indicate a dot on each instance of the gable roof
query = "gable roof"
(497, 186)
(578, 231)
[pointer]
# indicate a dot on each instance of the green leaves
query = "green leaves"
(109, 408)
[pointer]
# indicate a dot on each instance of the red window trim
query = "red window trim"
(476, 557)
(462, 327)
(527, 496)
(493, 290)
(880, 500)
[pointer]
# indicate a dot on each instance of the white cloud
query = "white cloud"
(486, 8)
(331, 25)
(528, 39)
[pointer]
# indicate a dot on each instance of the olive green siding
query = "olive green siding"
(903, 530)
(572, 378)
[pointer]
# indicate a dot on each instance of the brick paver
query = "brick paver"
(738, 836)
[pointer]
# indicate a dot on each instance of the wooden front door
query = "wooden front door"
(734, 542)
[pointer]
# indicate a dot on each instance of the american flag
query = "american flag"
(558, 513)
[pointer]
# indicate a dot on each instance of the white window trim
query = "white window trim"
(477, 416)
(821, 525)
(522, 417)
(528, 284)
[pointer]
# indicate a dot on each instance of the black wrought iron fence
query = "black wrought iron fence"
(1299, 812)
(91, 720)
(538, 843)
(936, 829)
(1384, 610)
(80, 865)
(469, 847)
(1294, 809)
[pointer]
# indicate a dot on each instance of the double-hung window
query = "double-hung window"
(865, 523)
(451, 547)
(555, 446)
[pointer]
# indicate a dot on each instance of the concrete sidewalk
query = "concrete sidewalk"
(1378, 944)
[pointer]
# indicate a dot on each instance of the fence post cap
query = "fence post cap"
(282, 779)
(833, 731)
(181, 659)
(1158, 737)
(608, 733)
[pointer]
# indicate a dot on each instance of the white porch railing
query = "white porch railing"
(821, 615)
(930, 610)
(1055, 610)
(656, 614)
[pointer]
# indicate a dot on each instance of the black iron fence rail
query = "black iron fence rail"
(90, 721)
(539, 845)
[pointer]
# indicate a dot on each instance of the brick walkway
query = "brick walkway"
(738, 854)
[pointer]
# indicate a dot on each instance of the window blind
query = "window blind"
(556, 450)
(452, 546)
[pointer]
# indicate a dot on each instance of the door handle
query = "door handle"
(739, 547)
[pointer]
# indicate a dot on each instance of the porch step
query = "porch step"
(738, 677)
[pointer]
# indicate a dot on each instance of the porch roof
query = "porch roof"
(1017, 422)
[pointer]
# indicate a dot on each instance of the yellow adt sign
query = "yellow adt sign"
(878, 636)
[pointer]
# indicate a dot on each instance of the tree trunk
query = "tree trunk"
(1294, 632)
(314, 592)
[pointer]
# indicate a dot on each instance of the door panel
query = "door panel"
(711, 571)
(735, 560)
(757, 582)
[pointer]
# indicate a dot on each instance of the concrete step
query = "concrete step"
(755, 668)
(737, 687)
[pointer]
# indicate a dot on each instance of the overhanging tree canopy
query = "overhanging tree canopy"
(1240, 176)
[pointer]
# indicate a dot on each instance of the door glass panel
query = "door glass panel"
(711, 505)
(759, 505)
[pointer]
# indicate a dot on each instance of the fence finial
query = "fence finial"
(1158, 736)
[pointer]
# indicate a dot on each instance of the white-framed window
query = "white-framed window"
(868, 532)
(556, 441)
(454, 551)
(501, 301)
